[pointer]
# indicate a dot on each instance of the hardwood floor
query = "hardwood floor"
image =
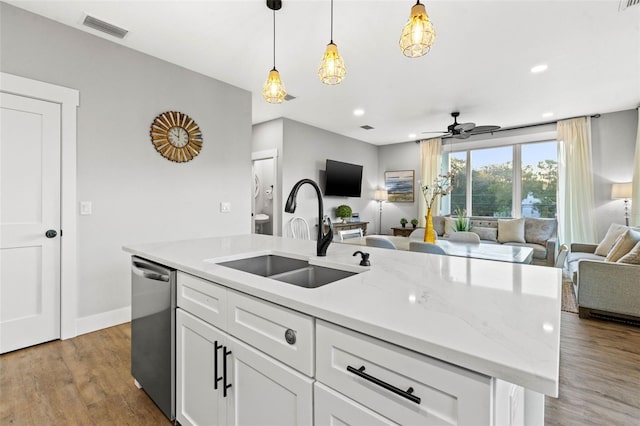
(81, 381)
(86, 380)
(599, 374)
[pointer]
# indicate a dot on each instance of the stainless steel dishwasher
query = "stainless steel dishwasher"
(153, 325)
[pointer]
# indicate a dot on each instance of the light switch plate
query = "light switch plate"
(85, 208)
(225, 207)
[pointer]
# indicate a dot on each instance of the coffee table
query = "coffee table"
(497, 252)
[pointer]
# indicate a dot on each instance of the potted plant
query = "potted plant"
(343, 212)
(404, 222)
(462, 224)
(414, 222)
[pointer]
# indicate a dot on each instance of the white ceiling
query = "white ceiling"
(480, 63)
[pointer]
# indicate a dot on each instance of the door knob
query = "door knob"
(51, 233)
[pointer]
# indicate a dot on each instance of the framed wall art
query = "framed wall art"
(400, 186)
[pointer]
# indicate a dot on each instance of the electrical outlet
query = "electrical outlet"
(85, 208)
(225, 207)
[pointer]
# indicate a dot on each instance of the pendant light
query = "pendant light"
(332, 69)
(273, 90)
(418, 34)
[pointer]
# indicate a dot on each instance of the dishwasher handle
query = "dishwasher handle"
(149, 270)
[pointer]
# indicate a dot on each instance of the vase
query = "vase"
(429, 232)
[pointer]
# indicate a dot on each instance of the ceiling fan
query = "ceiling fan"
(464, 130)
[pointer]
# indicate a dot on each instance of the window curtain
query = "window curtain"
(576, 201)
(430, 161)
(635, 186)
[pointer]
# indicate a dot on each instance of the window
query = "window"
(491, 182)
(539, 179)
(515, 180)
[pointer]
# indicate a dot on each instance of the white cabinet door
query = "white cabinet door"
(198, 346)
(334, 409)
(265, 391)
(259, 389)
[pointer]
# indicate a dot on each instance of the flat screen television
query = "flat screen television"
(342, 179)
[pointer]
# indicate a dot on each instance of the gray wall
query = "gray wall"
(306, 149)
(303, 150)
(404, 156)
(137, 195)
(613, 143)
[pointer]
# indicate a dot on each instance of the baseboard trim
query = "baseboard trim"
(102, 320)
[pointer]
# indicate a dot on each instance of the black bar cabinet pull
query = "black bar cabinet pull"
(405, 394)
(225, 386)
(215, 365)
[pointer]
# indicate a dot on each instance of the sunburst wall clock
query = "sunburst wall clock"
(176, 136)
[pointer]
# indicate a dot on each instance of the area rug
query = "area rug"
(569, 303)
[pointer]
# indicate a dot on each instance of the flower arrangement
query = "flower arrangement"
(414, 222)
(403, 221)
(441, 186)
(343, 212)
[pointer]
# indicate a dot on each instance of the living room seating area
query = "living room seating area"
(606, 276)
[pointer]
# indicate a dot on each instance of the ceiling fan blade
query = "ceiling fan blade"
(464, 127)
(443, 131)
(462, 135)
(484, 129)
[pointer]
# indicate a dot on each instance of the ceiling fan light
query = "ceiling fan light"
(273, 90)
(332, 69)
(418, 34)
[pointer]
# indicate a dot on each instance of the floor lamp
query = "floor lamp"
(380, 196)
(622, 191)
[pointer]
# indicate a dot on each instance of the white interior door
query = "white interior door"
(29, 207)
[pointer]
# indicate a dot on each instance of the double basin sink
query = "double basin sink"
(289, 270)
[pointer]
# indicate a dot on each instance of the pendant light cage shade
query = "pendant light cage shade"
(273, 90)
(418, 34)
(332, 69)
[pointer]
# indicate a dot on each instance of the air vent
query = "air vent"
(104, 27)
(289, 97)
(366, 127)
(625, 4)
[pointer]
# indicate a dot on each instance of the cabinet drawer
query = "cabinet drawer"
(449, 395)
(264, 325)
(331, 408)
(202, 298)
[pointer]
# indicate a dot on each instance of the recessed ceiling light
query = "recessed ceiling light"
(412, 135)
(547, 115)
(358, 112)
(539, 68)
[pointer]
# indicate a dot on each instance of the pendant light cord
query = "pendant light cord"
(274, 39)
(331, 21)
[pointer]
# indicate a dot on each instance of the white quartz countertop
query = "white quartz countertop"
(499, 319)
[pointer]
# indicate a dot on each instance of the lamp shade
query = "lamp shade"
(621, 190)
(332, 69)
(380, 195)
(418, 34)
(273, 90)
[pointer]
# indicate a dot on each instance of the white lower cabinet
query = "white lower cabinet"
(223, 381)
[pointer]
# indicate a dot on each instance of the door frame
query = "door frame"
(275, 219)
(69, 100)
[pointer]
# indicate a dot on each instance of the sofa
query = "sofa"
(536, 233)
(605, 289)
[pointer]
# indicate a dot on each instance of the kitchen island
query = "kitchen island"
(490, 322)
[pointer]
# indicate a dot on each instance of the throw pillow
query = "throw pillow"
(623, 245)
(633, 257)
(449, 226)
(615, 230)
(511, 230)
(487, 234)
(438, 225)
(538, 230)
